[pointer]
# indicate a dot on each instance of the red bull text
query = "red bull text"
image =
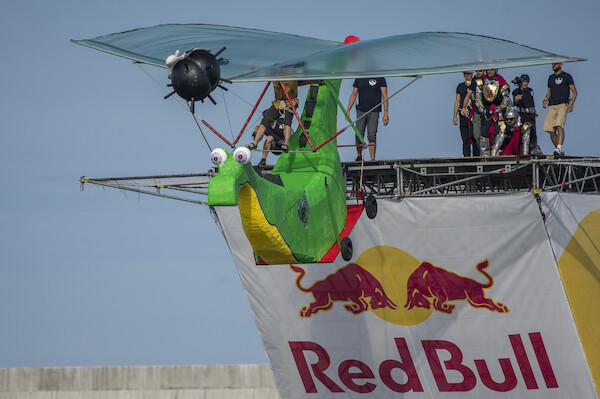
(357, 376)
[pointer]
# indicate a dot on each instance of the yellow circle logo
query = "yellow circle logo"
(392, 267)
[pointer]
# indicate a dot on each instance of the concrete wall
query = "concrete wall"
(251, 381)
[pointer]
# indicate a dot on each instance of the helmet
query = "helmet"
(525, 77)
(511, 116)
(351, 39)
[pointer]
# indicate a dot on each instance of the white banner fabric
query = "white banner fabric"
(453, 296)
(573, 224)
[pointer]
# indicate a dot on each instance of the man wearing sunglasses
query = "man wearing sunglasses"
(514, 138)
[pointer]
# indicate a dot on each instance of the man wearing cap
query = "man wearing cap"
(560, 87)
(525, 105)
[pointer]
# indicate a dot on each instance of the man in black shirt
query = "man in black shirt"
(461, 112)
(372, 93)
(560, 86)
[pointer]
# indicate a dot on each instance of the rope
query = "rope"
(203, 136)
(388, 100)
(362, 167)
(227, 112)
(196, 120)
(362, 152)
(165, 88)
(251, 113)
(178, 100)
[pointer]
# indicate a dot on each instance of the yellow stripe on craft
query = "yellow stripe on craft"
(579, 266)
(263, 236)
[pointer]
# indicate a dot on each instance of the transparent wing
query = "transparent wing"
(256, 55)
(409, 55)
(247, 49)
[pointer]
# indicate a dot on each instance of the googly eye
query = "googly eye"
(218, 156)
(242, 155)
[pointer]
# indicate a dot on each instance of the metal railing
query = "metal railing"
(399, 178)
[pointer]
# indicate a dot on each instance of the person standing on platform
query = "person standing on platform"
(461, 113)
(525, 105)
(474, 115)
(492, 100)
(372, 93)
(560, 87)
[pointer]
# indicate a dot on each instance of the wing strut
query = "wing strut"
(252, 113)
(217, 133)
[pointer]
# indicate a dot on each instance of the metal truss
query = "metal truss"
(187, 187)
(461, 176)
(415, 177)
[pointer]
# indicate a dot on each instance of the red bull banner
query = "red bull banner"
(573, 224)
(443, 297)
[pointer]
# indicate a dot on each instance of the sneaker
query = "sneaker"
(358, 158)
(558, 153)
(536, 150)
(263, 162)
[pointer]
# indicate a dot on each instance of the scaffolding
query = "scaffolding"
(462, 176)
(402, 177)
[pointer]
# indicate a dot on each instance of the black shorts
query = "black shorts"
(272, 114)
(369, 122)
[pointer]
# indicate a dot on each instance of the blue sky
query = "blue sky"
(105, 278)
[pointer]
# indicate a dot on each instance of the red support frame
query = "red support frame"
(329, 139)
(217, 133)
(252, 113)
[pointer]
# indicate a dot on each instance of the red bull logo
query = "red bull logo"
(385, 276)
(350, 283)
(432, 285)
(458, 352)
